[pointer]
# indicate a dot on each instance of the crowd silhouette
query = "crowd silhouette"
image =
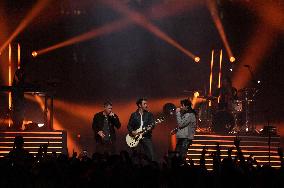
(21, 169)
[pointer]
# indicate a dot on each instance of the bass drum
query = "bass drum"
(222, 122)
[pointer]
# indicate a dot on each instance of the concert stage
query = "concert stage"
(251, 145)
(33, 140)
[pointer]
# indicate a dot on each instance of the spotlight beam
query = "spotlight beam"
(253, 55)
(162, 11)
(70, 141)
(271, 23)
(106, 29)
(214, 13)
(141, 20)
(3, 37)
(172, 8)
(24, 23)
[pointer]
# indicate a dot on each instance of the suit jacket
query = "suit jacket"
(98, 124)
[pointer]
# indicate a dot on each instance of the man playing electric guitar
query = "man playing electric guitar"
(139, 120)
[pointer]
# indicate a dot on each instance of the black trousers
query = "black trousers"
(109, 148)
(182, 146)
(146, 147)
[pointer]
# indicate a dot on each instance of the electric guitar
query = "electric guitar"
(133, 141)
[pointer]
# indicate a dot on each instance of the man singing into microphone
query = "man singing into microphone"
(104, 124)
(186, 120)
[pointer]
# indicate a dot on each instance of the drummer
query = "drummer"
(226, 94)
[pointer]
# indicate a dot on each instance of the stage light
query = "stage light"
(197, 59)
(142, 21)
(30, 125)
(231, 70)
(34, 54)
(196, 94)
(36, 10)
(217, 21)
(40, 124)
(258, 81)
(232, 59)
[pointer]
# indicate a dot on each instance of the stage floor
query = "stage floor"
(57, 141)
(255, 145)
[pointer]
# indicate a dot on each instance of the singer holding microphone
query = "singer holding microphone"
(186, 126)
(104, 125)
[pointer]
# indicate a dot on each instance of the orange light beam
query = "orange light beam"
(171, 8)
(271, 23)
(108, 28)
(253, 55)
(211, 75)
(19, 56)
(220, 73)
(217, 21)
(71, 144)
(119, 24)
(141, 20)
(220, 70)
(10, 78)
(24, 23)
(3, 36)
(269, 12)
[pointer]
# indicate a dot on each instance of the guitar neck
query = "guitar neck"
(151, 126)
(148, 128)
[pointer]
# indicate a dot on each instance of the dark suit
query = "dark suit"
(98, 125)
(135, 123)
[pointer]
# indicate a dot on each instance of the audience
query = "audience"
(21, 169)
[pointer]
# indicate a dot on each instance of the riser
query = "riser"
(210, 163)
(222, 157)
(245, 148)
(33, 140)
(32, 144)
(210, 166)
(224, 152)
(46, 140)
(24, 133)
(232, 138)
(255, 145)
(228, 142)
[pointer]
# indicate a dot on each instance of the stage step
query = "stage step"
(251, 145)
(33, 140)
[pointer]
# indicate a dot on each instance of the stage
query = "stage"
(56, 140)
(256, 145)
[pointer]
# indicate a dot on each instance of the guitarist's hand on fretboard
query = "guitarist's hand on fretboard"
(134, 133)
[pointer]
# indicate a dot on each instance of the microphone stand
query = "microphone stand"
(255, 91)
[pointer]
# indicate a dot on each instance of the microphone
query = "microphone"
(246, 66)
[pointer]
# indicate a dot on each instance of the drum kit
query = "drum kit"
(238, 118)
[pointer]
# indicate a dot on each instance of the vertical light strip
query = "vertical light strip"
(220, 73)
(10, 79)
(19, 56)
(211, 76)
